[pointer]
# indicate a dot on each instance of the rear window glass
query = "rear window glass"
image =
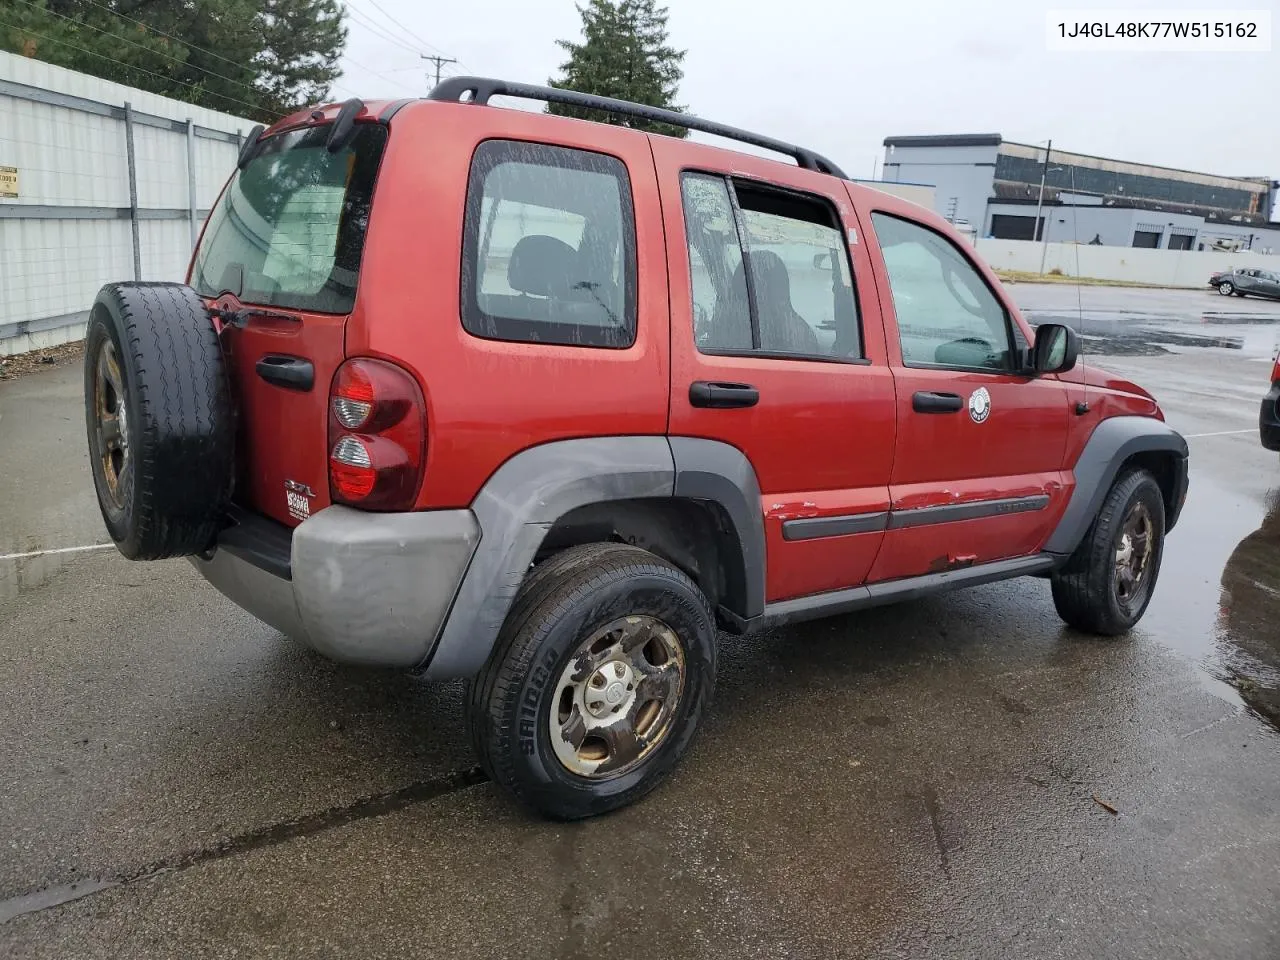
(289, 230)
(549, 247)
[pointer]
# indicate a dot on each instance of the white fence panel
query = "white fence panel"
(1166, 268)
(71, 227)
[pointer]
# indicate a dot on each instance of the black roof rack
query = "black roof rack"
(482, 88)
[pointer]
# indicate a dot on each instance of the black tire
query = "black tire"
(1085, 590)
(566, 598)
(163, 494)
(1226, 288)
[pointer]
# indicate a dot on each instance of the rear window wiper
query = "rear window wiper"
(240, 318)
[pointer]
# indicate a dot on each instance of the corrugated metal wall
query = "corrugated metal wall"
(70, 229)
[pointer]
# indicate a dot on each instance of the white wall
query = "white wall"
(1169, 268)
(51, 268)
(918, 193)
(965, 173)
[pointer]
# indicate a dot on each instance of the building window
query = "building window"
(1008, 226)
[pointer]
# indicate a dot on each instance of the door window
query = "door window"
(947, 315)
(721, 317)
(769, 271)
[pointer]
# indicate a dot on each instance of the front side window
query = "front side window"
(770, 272)
(947, 315)
(289, 229)
(549, 247)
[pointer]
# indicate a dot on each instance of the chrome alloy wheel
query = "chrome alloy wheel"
(111, 421)
(1133, 553)
(617, 698)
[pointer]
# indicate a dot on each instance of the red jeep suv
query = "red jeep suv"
(542, 403)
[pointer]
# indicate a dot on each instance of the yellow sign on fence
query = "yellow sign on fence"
(8, 181)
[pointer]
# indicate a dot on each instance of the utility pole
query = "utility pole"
(1044, 172)
(439, 62)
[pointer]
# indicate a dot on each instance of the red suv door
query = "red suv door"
(977, 475)
(777, 352)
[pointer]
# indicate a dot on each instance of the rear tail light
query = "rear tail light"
(377, 436)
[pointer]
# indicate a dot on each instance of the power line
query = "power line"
(379, 31)
(144, 26)
(143, 46)
(397, 23)
(399, 83)
(129, 66)
(191, 46)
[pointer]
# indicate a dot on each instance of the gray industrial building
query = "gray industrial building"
(992, 186)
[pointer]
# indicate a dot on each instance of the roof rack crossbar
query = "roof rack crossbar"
(481, 89)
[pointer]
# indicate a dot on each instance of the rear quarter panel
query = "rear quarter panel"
(487, 399)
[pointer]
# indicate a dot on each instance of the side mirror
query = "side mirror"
(1056, 350)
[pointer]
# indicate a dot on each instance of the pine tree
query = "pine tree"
(624, 54)
(254, 58)
(303, 40)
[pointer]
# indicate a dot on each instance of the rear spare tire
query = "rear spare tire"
(159, 417)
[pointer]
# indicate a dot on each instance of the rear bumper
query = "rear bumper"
(367, 588)
(1269, 418)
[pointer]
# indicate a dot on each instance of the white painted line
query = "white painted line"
(1220, 433)
(42, 553)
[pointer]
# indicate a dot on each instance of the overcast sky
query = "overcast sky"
(839, 76)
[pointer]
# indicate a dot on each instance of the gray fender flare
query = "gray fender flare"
(1112, 443)
(525, 497)
(722, 474)
(516, 508)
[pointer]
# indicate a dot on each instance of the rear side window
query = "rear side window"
(549, 247)
(289, 229)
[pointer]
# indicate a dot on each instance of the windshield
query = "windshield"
(289, 230)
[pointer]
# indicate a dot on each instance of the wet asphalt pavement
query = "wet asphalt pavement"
(928, 780)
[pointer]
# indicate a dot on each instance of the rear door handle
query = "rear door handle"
(292, 373)
(927, 402)
(720, 396)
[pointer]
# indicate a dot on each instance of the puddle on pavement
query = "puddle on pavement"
(1130, 333)
(1218, 598)
(1247, 638)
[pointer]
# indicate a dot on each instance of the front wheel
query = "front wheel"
(1226, 288)
(595, 688)
(1106, 585)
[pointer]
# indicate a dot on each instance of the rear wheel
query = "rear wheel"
(1107, 583)
(598, 681)
(159, 419)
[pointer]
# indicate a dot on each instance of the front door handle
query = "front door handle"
(926, 402)
(719, 396)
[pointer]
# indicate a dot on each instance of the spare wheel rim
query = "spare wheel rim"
(111, 426)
